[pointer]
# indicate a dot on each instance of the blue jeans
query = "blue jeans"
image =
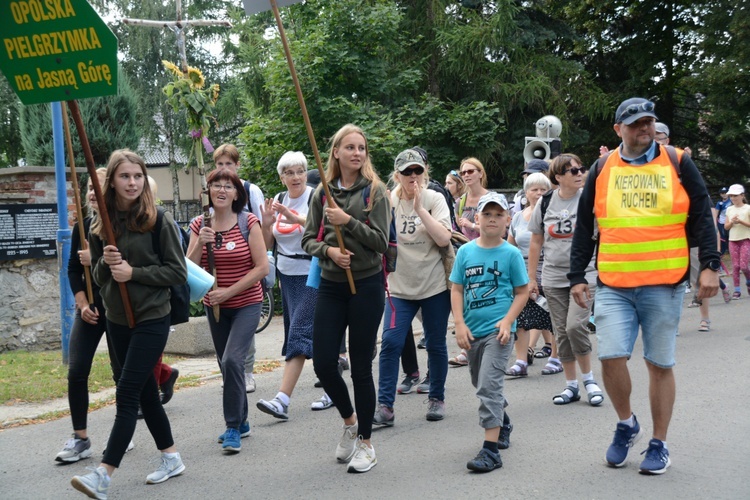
(621, 311)
(435, 312)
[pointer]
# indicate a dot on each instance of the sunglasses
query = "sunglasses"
(634, 109)
(576, 170)
(468, 171)
(218, 241)
(416, 170)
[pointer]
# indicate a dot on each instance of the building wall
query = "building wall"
(30, 309)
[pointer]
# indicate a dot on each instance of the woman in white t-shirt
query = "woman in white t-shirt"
(283, 225)
(423, 226)
(738, 225)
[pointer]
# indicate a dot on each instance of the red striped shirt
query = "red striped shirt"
(233, 262)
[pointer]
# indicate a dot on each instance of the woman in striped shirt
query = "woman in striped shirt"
(240, 266)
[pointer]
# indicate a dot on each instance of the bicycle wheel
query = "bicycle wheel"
(266, 311)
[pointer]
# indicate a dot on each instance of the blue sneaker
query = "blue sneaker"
(231, 442)
(244, 431)
(625, 438)
(657, 458)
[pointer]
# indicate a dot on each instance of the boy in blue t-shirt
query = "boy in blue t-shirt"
(489, 291)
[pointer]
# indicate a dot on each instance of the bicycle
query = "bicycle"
(266, 310)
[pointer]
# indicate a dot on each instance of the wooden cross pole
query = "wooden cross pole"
(179, 28)
(310, 133)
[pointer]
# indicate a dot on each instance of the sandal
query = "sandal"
(595, 393)
(517, 370)
(568, 395)
(544, 352)
(459, 360)
(553, 366)
(705, 325)
(530, 356)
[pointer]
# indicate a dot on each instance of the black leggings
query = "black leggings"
(138, 350)
(337, 309)
(84, 339)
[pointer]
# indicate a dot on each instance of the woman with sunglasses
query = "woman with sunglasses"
(475, 181)
(423, 225)
(475, 178)
(363, 214)
(553, 233)
(240, 265)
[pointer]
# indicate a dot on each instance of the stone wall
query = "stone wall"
(30, 310)
(30, 307)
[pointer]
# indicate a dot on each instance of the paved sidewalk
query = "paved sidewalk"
(268, 345)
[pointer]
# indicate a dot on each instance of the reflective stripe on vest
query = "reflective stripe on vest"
(641, 211)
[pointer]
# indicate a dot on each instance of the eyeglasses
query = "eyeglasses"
(294, 173)
(219, 239)
(468, 171)
(634, 109)
(226, 187)
(416, 170)
(576, 170)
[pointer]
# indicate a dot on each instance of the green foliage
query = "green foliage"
(10, 133)
(110, 123)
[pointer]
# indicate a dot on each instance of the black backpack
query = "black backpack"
(180, 294)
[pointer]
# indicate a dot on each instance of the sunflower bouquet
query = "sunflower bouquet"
(187, 92)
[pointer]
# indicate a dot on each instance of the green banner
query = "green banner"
(56, 50)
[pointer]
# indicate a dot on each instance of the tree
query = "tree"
(457, 81)
(110, 124)
(10, 137)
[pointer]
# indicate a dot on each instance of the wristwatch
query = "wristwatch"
(714, 265)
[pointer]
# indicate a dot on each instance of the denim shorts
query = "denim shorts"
(621, 311)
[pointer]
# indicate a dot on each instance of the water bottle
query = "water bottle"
(542, 302)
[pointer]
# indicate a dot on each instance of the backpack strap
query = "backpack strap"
(247, 192)
(461, 205)
(156, 232)
(242, 219)
(546, 197)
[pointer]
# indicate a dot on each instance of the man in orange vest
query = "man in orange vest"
(642, 208)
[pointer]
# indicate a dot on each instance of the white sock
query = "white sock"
(665, 444)
(630, 422)
(572, 383)
(283, 398)
(521, 362)
(171, 455)
(588, 376)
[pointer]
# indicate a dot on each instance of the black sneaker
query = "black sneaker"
(167, 390)
(485, 461)
(503, 441)
(422, 344)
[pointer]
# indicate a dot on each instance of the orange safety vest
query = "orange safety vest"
(641, 211)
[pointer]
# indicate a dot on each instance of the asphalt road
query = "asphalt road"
(557, 452)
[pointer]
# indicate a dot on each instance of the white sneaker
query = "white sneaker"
(364, 458)
(94, 484)
(74, 450)
(322, 404)
(348, 443)
(249, 383)
(170, 467)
